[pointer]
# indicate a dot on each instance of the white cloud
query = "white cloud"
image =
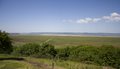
(115, 17)
(88, 20)
(115, 14)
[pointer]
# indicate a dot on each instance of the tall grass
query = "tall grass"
(12, 64)
(61, 64)
(78, 65)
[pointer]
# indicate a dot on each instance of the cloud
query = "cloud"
(88, 20)
(114, 17)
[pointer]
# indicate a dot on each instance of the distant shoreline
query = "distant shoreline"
(71, 34)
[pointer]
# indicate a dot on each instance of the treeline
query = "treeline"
(104, 55)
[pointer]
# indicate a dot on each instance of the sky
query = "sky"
(92, 16)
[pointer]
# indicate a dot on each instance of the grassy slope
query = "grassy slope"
(13, 64)
(59, 64)
(67, 40)
(44, 64)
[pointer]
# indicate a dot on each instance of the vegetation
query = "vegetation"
(40, 63)
(44, 50)
(12, 64)
(63, 41)
(61, 64)
(105, 55)
(5, 43)
(78, 65)
(70, 57)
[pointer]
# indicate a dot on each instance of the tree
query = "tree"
(5, 43)
(47, 50)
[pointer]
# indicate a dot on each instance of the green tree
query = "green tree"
(47, 50)
(5, 43)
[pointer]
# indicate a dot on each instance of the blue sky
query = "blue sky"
(60, 16)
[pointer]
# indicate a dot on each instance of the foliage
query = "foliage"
(5, 43)
(27, 49)
(63, 53)
(84, 53)
(37, 50)
(109, 55)
(46, 50)
(104, 55)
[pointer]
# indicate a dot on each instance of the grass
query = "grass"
(61, 41)
(60, 64)
(12, 64)
(45, 63)
(6, 56)
(77, 65)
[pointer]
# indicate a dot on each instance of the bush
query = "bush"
(109, 56)
(105, 55)
(5, 43)
(84, 53)
(63, 53)
(37, 50)
(27, 49)
(46, 50)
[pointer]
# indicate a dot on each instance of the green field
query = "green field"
(61, 41)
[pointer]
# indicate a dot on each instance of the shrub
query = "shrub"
(63, 53)
(84, 53)
(36, 50)
(46, 50)
(105, 55)
(27, 49)
(110, 56)
(5, 43)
